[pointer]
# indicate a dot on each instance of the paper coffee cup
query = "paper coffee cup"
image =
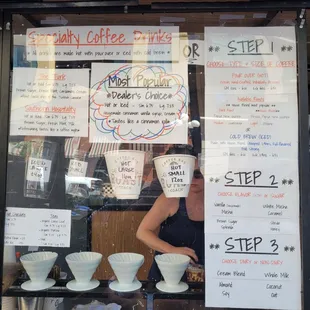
(175, 173)
(53, 303)
(125, 171)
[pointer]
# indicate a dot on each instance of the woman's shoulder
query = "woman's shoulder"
(169, 205)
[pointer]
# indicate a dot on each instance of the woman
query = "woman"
(180, 222)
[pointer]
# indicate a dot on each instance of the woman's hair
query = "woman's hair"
(181, 149)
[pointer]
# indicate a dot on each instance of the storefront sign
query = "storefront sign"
(138, 103)
(49, 102)
(251, 169)
(103, 42)
(192, 51)
(37, 227)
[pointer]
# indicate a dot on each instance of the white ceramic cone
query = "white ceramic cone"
(175, 173)
(172, 267)
(125, 169)
(83, 265)
(38, 265)
(126, 266)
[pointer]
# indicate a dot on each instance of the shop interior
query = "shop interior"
(101, 222)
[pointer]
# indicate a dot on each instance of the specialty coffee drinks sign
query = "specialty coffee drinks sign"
(251, 169)
(103, 42)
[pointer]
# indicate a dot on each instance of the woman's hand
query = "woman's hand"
(185, 251)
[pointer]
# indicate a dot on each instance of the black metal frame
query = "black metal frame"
(304, 156)
(131, 6)
(5, 55)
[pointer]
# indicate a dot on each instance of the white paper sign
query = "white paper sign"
(50, 102)
(143, 43)
(192, 51)
(38, 169)
(251, 169)
(138, 103)
(37, 227)
(77, 168)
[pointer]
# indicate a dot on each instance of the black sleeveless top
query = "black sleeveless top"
(180, 231)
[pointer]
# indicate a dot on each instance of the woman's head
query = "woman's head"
(181, 149)
(197, 185)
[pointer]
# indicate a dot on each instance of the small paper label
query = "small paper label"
(77, 168)
(38, 169)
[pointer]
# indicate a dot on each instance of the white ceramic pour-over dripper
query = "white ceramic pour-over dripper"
(83, 265)
(172, 268)
(38, 265)
(125, 267)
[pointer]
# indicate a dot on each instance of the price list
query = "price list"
(251, 169)
(37, 227)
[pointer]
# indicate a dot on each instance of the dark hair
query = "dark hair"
(181, 149)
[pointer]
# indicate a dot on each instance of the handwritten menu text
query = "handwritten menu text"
(251, 169)
(103, 42)
(48, 102)
(52, 228)
(140, 103)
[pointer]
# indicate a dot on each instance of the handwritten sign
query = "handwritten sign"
(103, 42)
(126, 171)
(38, 169)
(48, 102)
(77, 168)
(37, 227)
(192, 51)
(251, 169)
(177, 173)
(138, 103)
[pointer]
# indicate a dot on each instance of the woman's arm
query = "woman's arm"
(161, 210)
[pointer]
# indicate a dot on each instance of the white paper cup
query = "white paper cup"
(125, 169)
(175, 173)
(53, 303)
(8, 303)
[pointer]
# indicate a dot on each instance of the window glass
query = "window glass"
(87, 121)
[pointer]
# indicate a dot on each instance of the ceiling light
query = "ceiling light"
(231, 16)
(171, 19)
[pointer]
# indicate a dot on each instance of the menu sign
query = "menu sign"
(50, 102)
(103, 42)
(51, 228)
(138, 103)
(251, 169)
